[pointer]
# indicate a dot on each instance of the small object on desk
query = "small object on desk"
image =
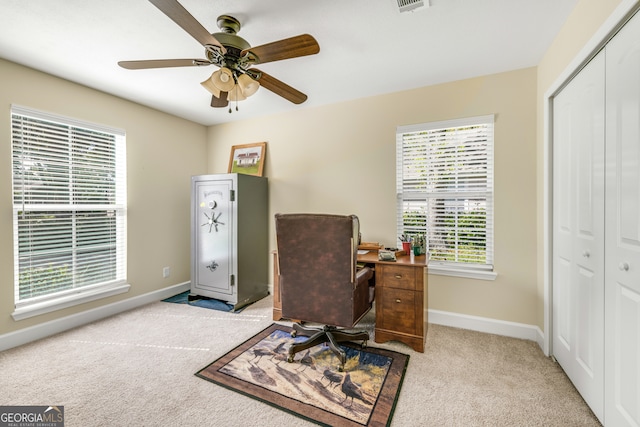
(398, 252)
(362, 252)
(384, 255)
(369, 246)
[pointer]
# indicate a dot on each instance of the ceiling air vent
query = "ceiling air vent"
(409, 5)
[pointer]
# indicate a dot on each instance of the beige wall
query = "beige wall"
(338, 158)
(162, 154)
(585, 21)
(341, 159)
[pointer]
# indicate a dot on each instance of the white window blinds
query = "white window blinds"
(69, 206)
(445, 190)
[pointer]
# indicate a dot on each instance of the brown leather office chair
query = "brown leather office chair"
(319, 281)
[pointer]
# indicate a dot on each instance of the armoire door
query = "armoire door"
(578, 232)
(622, 278)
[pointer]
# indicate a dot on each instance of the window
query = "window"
(69, 211)
(445, 193)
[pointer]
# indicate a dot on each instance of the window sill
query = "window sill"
(37, 309)
(469, 274)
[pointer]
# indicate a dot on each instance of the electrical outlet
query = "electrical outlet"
(166, 272)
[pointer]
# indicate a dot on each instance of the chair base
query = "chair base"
(328, 334)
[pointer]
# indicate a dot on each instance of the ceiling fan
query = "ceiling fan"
(236, 78)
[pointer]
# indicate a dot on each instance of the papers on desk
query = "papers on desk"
(362, 252)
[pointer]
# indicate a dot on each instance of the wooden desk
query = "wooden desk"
(401, 298)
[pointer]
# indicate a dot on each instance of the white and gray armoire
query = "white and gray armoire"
(229, 238)
(596, 229)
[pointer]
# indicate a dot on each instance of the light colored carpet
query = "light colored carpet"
(137, 369)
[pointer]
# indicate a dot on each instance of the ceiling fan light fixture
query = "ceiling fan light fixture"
(236, 94)
(223, 79)
(248, 86)
(234, 55)
(212, 88)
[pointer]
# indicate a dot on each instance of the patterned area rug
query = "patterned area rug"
(311, 387)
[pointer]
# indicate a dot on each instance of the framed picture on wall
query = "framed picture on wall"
(248, 159)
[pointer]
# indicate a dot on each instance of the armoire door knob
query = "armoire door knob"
(623, 266)
(586, 254)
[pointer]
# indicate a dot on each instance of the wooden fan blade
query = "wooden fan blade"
(280, 88)
(293, 47)
(162, 63)
(184, 19)
(219, 102)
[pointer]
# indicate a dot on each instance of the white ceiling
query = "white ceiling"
(367, 47)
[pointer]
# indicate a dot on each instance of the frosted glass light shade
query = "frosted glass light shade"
(236, 94)
(223, 79)
(248, 85)
(208, 85)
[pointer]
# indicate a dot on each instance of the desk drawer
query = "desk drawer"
(395, 310)
(398, 276)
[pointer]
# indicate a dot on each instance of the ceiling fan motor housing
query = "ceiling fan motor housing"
(233, 43)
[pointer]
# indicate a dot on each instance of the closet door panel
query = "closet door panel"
(563, 228)
(578, 240)
(622, 280)
(588, 353)
(562, 343)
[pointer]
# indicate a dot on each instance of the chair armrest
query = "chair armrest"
(363, 274)
(364, 291)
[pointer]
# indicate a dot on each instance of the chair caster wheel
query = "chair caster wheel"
(340, 368)
(293, 334)
(290, 358)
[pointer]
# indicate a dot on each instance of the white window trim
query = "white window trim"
(439, 268)
(48, 304)
(36, 309)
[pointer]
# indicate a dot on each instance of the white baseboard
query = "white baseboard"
(541, 340)
(445, 318)
(487, 325)
(33, 333)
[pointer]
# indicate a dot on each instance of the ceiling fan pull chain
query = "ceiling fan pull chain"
(237, 88)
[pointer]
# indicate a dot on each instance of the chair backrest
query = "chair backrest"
(317, 266)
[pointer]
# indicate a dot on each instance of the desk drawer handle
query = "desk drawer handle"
(398, 276)
(398, 300)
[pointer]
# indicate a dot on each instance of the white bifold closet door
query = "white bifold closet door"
(622, 246)
(596, 229)
(578, 231)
